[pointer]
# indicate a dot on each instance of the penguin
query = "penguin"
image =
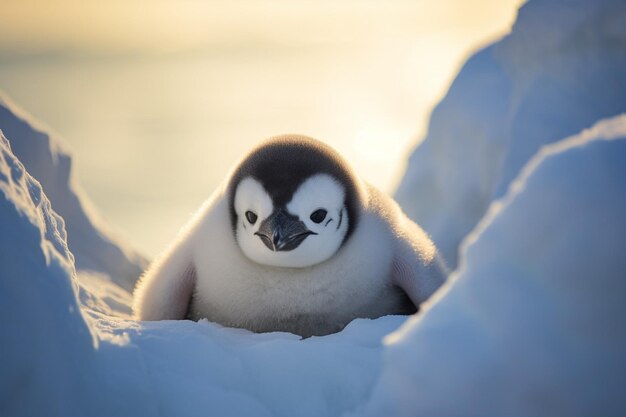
(292, 241)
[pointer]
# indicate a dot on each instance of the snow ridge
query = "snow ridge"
(45, 338)
(559, 71)
(92, 243)
(531, 323)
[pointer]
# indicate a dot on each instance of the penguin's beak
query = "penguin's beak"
(283, 231)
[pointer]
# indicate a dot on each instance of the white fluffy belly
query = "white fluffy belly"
(312, 301)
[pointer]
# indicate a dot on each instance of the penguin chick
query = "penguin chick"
(292, 241)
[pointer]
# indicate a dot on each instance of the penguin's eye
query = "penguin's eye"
(318, 215)
(251, 217)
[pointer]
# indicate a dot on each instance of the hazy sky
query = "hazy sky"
(158, 98)
(168, 25)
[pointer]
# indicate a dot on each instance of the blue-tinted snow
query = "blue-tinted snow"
(90, 240)
(559, 71)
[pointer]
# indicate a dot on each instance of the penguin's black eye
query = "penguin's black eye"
(318, 215)
(251, 217)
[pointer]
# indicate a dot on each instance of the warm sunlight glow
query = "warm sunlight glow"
(123, 81)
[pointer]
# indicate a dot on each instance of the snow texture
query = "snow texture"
(560, 70)
(533, 321)
(530, 324)
(47, 349)
(90, 240)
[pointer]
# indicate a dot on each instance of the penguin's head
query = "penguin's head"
(293, 202)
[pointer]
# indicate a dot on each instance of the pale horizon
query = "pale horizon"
(118, 79)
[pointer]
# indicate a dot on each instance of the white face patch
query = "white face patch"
(251, 196)
(317, 206)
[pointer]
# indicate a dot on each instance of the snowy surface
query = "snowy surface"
(559, 71)
(530, 324)
(90, 240)
(47, 349)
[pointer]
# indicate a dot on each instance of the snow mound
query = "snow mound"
(532, 323)
(54, 360)
(47, 348)
(559, 71)
(89, 239)
(202, 368)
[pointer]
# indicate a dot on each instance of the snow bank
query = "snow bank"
(202, 368)
(53, 362)
(559, 71)
(91, 242)
(533, 322)
(47, 350)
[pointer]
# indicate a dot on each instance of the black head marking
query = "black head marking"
(283, 163)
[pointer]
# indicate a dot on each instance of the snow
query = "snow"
(531, 323)
(559, 71)
(202, 366)
(91, 241)
(44, 336)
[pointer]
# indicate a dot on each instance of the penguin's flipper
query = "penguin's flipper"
(417, 267)
(165, 291)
